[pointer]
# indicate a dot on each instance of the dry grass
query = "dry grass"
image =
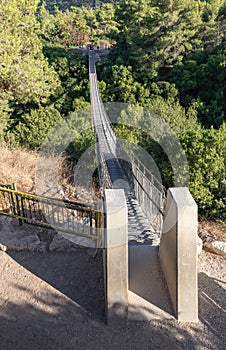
(211, 231)
(54, 176)
(17, 166)
(20, 167)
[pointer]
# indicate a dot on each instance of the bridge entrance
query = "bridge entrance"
(145, 199)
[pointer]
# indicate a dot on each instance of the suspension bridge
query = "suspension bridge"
(160, 230)
(138, 284)
(145, 195)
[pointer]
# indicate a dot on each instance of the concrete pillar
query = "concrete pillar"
(116, 257)
(178, 253)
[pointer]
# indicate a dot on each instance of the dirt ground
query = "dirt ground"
(210, 231)
(55, 301)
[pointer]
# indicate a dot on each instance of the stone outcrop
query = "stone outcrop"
(216, 247)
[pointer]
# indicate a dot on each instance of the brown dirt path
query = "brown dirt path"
(55, 301)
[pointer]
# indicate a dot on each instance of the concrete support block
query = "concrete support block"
(116, 257)
(178, 253)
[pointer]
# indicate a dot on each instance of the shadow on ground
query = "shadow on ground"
(146, 280)
(212, 305)
(76, 275)
(49, 302)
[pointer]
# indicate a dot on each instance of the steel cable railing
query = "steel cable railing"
(148, 190)
(150, 193)
(105, 137)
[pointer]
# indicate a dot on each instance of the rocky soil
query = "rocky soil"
(55, 300)
(213, 235)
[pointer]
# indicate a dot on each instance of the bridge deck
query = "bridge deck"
(139, 229)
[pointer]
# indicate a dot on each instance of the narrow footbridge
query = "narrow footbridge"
(145, 195)
(145, 244)
(133, 280)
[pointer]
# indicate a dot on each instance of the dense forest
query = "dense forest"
(67, 4)
(168, 56)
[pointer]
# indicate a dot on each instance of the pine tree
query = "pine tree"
(25, 75)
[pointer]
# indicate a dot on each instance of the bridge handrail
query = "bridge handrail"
(156, 183)
(100, 126)
(104, 117)
(55, 201)
(103, 169)
(151, 198)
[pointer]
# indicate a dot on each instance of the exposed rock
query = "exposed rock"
(17, 238)
(217, 247)
(3, 247)
(60, 244)
(199, 245)
(30, 238)
(78, 241)
(27, 243)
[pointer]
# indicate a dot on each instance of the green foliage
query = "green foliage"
(204, 148)
(80, 103)
(67, 4)
(157, 34)
(164, 89)
(67, 29)
(38, 85)
(79, 126)
(175, 50)
(24, 72)
(122, 87)
(72, 70)
(81, 144)
(5, 110)
(32, 128)
(167, 56)
(174, 114)
(161, 32)
(77, 26)
(25, 75)
(100, 21)
(205, 151)
(106, 23)
(201, 81)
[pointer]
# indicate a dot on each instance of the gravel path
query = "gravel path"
(55, 301)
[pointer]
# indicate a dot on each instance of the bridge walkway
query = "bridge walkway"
(139, 229)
